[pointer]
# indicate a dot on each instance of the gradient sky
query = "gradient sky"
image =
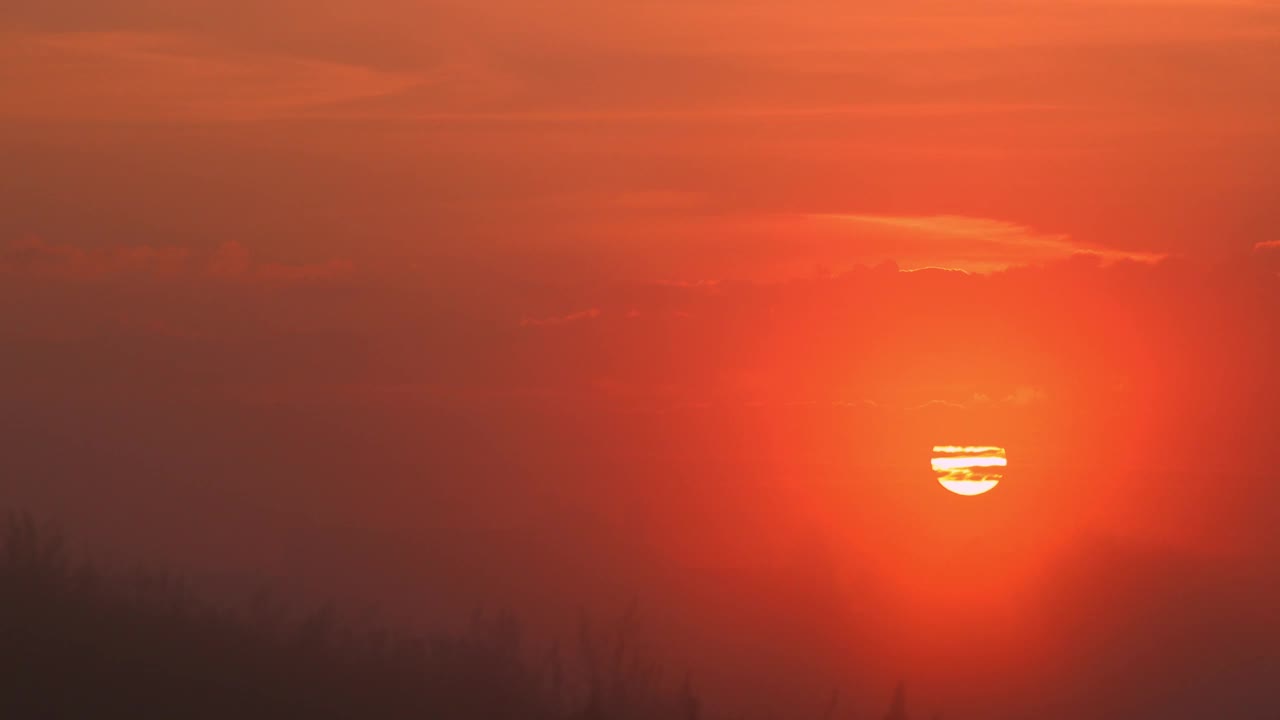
(429, 304)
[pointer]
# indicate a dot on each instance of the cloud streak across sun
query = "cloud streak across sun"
(968, 470)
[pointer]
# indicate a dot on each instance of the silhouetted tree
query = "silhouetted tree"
(75, 643)
(898, 708)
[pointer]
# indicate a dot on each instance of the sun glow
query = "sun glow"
(968, 470)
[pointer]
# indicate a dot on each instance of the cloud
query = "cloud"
(230, 260)
(154, 77)
(573, 317)
(1023, 395)
(961, 242)
(1049, 342)
(1027, 396)
(233, 261)
(36, 258)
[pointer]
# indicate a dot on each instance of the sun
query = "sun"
(969, 470)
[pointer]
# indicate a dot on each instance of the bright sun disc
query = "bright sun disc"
(968, 470)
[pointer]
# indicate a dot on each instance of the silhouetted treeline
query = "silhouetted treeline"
(79, 643)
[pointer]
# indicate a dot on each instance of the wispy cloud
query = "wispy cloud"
(233, 261)
(37, 259)
(161, 77)
(966, 243)
(589, 314)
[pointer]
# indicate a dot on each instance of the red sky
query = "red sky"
(430, 304)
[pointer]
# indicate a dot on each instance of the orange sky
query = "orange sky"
(645, 137)
(570, 302)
